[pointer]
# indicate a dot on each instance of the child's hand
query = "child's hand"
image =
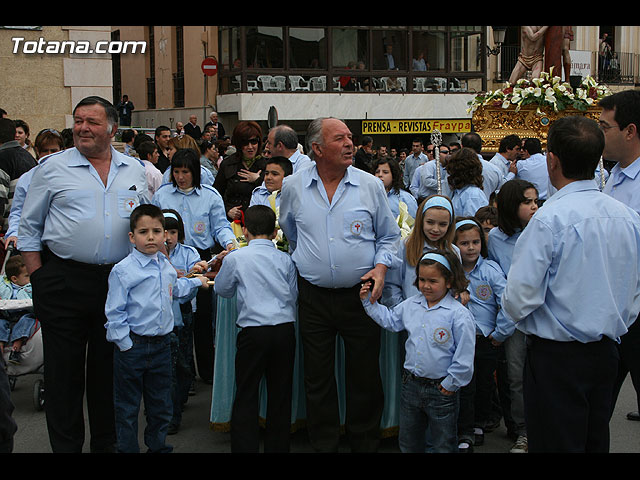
(463, 297)
(364, 290)
(204, 280)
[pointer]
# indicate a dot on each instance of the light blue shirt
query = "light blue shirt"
(69, 209)
(503, 165)
(486, 285)
(141, 292)
(202, 212)
(492, 175)
(575, 274)
(206, 176)
(428, 184)
(624, 184)
(265, 282)
(299, 161)
(394, 197)
(467, 200)
(410, 164)
(534, 170)
(500, 248)
(335, 243)
(441, 339)
(183, 258)
(260, 196)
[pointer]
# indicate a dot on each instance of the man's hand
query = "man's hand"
(377, 275)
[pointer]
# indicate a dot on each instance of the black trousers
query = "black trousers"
(629, 350)
(68, 300)
(567, 395)
(323, 314)
(268, 352)
(203, 320)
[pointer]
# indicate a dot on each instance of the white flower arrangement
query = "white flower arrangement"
(545, 91)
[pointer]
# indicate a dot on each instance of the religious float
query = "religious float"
(528, 107)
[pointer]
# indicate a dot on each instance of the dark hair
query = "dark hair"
(187, 158)
(284, 163)
(206, 145)
(464, 168)
(45, 136)
(141, 138)
(14, 266)
(171, 223)
(160, 129)
(578, 143)
(397, 183)
(463, 228)
(260, 220)
(142, 210)
(455, 277)
(487, 213)
(22, 124)
(109, 109)
(473, 141)
(509, 198)
(67, 137)
(128, 135)
(509, 142)
(366, 140)
(145, 149)
(626, 106)
(7, 130)
(532, 145)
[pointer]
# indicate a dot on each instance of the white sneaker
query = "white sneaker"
(521, 445)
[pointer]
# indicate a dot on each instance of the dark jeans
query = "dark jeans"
(68, 300)
(8, 425)
(268, 352)
(567, 395)
(629, 351)
(323, 315)
(476, 397)
(203, 327)
(424, 408)
(181, 357)
(143, 372)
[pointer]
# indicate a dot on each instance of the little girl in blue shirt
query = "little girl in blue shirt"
(439, 352)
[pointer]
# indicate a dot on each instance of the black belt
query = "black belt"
(97, 267)
(422, 380)
(147, 338)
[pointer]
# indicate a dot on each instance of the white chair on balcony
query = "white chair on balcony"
(297, 83)
(442, 84)
(267, 82)
(318, 84)
(280, 83)
(418, 84)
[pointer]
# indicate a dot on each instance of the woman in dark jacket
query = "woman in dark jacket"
(240, 173)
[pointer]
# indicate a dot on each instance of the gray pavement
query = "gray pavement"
(195, 436)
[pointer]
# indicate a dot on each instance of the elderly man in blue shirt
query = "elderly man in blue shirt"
(342, 231)
(564, 254)
(73, 229)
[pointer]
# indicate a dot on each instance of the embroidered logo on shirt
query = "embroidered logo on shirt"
(356, 227)
(199, 227)
(129, 204)
(441, 335)
(484, 292)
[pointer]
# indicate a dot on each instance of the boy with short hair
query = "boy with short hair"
(148, 152)
(15, 326)
(139, 322)
(267, 339)
(276, 170)
(487, 216)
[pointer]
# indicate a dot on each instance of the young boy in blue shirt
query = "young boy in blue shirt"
(264, 280)
(274, 174)
(139, 322)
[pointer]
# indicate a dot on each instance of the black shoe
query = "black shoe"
(15, 358)
(465, 447)
(635, 416)
(173, 428)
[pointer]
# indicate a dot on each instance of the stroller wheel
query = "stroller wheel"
(38, 394)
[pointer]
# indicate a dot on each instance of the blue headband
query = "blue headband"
(466, 222)
(438, 258)
(438, 202)
(170, 215)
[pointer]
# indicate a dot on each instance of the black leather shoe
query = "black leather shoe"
(635, 416)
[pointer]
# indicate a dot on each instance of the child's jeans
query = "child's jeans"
(143, 370)
(11, 331)
(424, 408)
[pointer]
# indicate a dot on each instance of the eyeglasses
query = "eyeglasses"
(253, 141)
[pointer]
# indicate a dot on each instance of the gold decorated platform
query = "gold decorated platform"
(494, 123)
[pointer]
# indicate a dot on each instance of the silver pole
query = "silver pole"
(436, 141)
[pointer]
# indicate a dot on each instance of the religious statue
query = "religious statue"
(532, 43)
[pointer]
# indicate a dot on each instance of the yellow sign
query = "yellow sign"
(392, 127)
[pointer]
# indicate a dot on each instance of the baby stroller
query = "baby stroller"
(32, 357)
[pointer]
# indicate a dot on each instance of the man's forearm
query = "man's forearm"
(32, 261)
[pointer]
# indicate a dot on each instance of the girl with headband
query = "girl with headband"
(492, 327)
(433, 229)
(439, 352)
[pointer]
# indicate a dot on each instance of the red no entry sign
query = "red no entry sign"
(209, 66)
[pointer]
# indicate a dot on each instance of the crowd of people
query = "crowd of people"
(477, 267)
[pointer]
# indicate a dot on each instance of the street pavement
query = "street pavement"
(195, 435)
